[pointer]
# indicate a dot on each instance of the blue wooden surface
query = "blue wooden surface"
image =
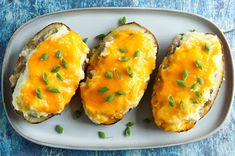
(13, 13)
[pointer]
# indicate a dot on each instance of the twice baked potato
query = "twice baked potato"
(118, 72)
(48, 72)
(188, 81)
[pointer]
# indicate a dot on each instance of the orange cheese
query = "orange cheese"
(109, 61)
(191, 50)
(73, 49)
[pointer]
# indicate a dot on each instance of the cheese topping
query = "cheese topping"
(119, 76)
(53, 72)
(186, 79)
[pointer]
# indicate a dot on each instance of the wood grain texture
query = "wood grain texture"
(13, 13)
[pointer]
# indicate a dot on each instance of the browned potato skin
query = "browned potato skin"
(21, 62)
(206, 108)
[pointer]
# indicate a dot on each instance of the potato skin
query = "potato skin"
(207, 106)
(95, 55)
(21, 63)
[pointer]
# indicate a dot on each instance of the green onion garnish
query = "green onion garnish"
(59, 54)
(45, 78)
(199, 64)
(53, 90)
(120, 92)
(137, 53)
(192, 30)
(109, 74)
(200, 80)
(109, 98)
(59, 77)
(129, 71)
(130, 124)
(122, 50)
(148, 120)
(199, 94)
(194, 100)
(39, 93)
(127, 131)
(44, 56)
(171, 101)
(207, 48)
(103, 90)
(64, 63)
(100, 36)
(123, 20)
(59, 129)
(55, 69)
(77, 114)
(181, 83)
(101, 135)
(123, 59)
(194, 86)
(118, 74)
(85, 40)
(185, 74)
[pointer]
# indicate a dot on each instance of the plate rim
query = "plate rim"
(54, 145)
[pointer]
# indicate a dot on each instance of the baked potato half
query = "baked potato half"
(188, 81)
(118, 73)
(48, 72)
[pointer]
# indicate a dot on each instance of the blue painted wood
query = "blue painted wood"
(13, 13)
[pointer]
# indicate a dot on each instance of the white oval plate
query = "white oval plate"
(81, 133)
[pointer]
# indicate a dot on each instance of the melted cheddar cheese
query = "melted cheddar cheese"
(129, 77)
(195, 63)
(61, 48)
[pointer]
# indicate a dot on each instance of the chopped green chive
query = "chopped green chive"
(207, 48)
(200, 80)
(53, 90)
(127, 131)
(123, 20)
(129, 72)
(59, 77)
(199, 94)
(64, 63)
(59, 54)
(194, 86)
(85, 40)
(137, 53)
(185, 74)
(109, 74)
(100, 36)
(120, 92)
(199, 64)
(123, 59)
(59, 129)
(55, 69)
(77, 114)
(39, 93)
(171, 101)
(103, 90)
(192, 30)
(194, 100)
(182, 103)
(101, 135)
(130, 124)
(148, 120)
(45, 78)
(181, 83)
(109, 98)
(122, 50)
(118, 74)
(44, 56)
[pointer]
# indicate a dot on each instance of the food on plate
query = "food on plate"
(48, 72)
(188, 81)
(118, 73)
